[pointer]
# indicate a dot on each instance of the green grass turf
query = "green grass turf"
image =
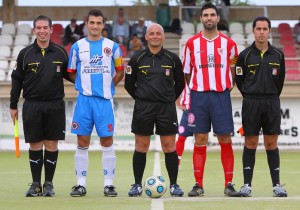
(15, 175)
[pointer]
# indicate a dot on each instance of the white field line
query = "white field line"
(221, 199)
(158, 203)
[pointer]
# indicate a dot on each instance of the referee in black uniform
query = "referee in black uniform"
(260, 73)
(39, 71)
(154, 78)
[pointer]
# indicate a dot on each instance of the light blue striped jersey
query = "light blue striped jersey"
(95, 63)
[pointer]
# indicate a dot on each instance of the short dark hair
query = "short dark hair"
(96, 13)
(261, 18)
(209, 6)
(42, 17)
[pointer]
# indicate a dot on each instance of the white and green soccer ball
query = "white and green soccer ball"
(155, 186)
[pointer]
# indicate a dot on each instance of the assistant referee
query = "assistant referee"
(39, 71)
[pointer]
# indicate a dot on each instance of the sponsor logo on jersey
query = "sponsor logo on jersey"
(95, 59)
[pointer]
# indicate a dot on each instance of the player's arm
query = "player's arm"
(118, 76)
(187, 78)
(72, 77)
(177, 102)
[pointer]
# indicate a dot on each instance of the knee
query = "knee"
(141, 147)
(168, 147)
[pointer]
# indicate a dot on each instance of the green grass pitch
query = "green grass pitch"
(15, 175)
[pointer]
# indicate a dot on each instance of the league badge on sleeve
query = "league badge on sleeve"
(57, 69)
(167, 72)
(275, 72)
(238, 70)
(128, 69)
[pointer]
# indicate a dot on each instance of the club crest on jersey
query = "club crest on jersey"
(107, 51)
(220, 51)
(128, 69)
(238, 70)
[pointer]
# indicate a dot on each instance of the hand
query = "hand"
(14, 114)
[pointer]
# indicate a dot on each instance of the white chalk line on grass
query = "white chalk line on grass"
(207, 199)
(157, 204)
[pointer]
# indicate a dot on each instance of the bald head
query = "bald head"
(155, 25)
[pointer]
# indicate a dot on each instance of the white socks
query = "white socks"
(108, 164)
(81, 164)
(82, 161)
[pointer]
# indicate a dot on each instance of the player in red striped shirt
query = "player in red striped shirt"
(209, 60)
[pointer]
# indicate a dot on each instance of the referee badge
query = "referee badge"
(128, 69)
(238, 70)
(274, 72)
(57, 69)
(167, 72)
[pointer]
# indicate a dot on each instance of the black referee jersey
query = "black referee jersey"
(39, 72)
(154, 77)
(260, 74)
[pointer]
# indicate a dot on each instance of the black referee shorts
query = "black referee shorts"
(44, 120)
(146, 114)
(261, 113)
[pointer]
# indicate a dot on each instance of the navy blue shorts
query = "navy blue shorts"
(211, 109)
(183, 126)
(261, 113)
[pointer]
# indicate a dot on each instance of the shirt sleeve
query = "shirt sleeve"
(117, 56)
(233, 55)
(240, 69)
(72, 60)
(17, 78)
(281, 75)
(187, 67)
(130, 77)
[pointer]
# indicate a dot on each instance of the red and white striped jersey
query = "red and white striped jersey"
(209, 62)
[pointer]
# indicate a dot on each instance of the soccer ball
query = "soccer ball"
(155, 186)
